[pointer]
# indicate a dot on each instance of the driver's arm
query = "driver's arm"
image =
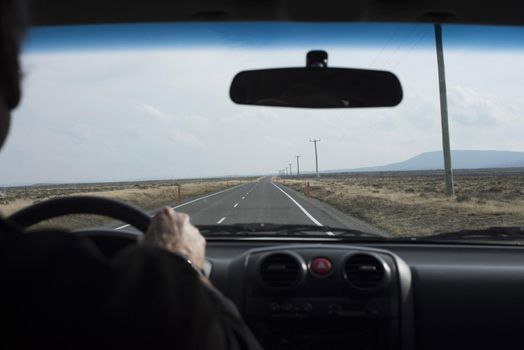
(59, 292)
(171, 294)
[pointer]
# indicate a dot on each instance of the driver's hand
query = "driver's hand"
(173, 231)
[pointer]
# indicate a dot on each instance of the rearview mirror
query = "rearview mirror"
(316, 86)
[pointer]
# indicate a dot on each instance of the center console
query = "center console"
(326, 298)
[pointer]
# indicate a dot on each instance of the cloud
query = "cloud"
(155, 113)
(186, 139)
(471, 107)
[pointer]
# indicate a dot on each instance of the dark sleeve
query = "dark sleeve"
(51, 287)
(235, 331)
(160, 299)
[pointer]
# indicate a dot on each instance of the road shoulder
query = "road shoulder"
(328, 215)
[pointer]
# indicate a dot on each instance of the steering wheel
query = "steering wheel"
(56, 207)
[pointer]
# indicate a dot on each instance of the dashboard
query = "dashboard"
(373, 296)
(312, 294)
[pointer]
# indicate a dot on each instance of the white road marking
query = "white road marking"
(221, 220)
(243, 197)
(315, 221)
(236, 205)
(121, 227)
(192, 201)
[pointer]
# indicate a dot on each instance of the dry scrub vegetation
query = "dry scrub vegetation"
(148, 195)
(414, 203)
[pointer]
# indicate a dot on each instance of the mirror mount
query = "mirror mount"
(317, 59)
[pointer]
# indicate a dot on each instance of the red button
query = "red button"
(321, 266)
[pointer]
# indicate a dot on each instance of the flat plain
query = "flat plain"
(414, 203)
(148, 195)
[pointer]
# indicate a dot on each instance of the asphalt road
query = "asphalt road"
(264, 202)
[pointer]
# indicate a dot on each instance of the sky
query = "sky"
(139, 102)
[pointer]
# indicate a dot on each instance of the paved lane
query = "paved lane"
(264, 202)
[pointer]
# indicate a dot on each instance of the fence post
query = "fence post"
(179, 197)
(308, 190)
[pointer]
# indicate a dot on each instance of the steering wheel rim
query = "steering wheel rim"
(62, 206)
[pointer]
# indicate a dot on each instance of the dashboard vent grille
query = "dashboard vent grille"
(280, 271)
(364, 271)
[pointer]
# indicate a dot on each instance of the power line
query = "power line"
(399, 46)
(416, 43)
(386, 45)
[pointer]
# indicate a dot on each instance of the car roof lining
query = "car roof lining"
(67, 12)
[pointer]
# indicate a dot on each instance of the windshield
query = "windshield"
(142, 113)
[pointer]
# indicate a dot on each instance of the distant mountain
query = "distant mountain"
(460, 160)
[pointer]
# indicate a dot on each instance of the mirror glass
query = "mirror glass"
(316, 88)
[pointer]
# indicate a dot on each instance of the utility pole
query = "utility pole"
(298, 165)
(444, 111)
(290, 170)
(316, 155)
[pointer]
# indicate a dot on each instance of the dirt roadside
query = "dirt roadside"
(146, 195)
(415, 204)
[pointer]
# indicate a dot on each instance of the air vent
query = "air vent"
(281, 271)
(365, 272)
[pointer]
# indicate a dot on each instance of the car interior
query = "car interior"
(329, 292)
